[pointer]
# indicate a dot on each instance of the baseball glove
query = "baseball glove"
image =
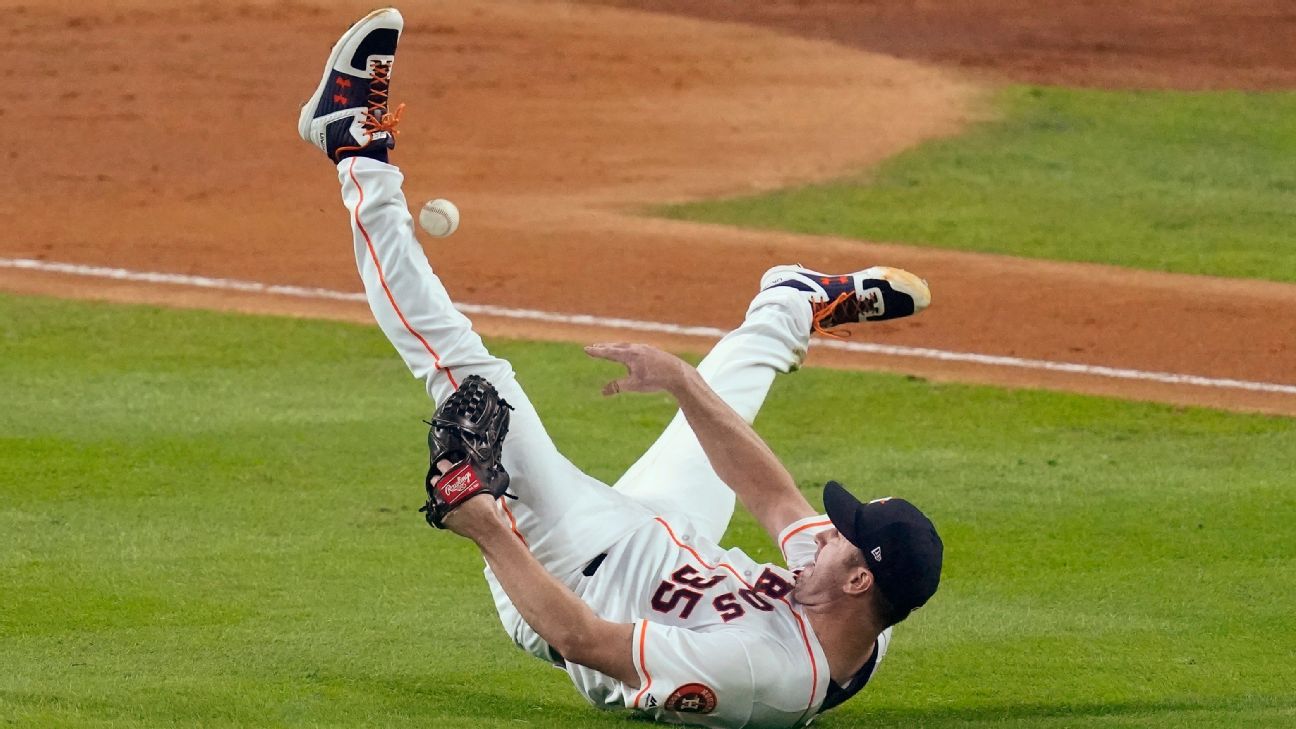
(467, 431)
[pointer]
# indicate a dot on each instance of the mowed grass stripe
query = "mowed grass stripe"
(209, 519)
(1169, 181)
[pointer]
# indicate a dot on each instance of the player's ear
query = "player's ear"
(859, 580)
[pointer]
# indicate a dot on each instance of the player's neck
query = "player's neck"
(847, 641)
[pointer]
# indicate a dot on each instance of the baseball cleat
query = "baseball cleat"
(874, 294)
(348, 113)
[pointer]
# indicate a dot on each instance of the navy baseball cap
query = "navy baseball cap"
(899, 542)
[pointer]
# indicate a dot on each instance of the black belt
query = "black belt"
(593, 565)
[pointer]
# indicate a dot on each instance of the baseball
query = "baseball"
(439, 217)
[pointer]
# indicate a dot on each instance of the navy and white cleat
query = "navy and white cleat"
(348, 114)
(874, 294)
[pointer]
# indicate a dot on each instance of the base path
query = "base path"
(550, 124)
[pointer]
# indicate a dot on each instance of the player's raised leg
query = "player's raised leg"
(564, 516)
(674, 478)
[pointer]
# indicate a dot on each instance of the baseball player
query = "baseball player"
(625, 587)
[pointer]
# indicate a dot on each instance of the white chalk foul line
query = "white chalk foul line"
(1169, 378)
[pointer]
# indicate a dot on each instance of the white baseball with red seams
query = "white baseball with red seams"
(439, 217)
(718, 641)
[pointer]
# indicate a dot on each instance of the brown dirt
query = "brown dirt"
(1181, 44)
(172, 148)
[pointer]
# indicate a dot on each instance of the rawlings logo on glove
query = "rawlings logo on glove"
(458, 484)
(467, 432)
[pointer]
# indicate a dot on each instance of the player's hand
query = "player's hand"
(648, 369)
(472, 515)
(473, 518)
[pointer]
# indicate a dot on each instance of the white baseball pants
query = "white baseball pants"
(565, 517)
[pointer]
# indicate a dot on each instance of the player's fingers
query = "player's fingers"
(630, 383)
(616, 352)
(605, 348)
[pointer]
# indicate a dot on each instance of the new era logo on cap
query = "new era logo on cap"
(877, 553)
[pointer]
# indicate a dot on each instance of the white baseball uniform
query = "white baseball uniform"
(717, 639)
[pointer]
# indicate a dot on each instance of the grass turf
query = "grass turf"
(210, 520)
(1173, 181)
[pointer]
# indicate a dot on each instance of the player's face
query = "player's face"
(835, 562)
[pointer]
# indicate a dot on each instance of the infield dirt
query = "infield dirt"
(168, 143)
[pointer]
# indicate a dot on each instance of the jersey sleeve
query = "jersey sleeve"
(693, 677)
(797, 540)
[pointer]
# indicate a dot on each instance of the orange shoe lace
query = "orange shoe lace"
(845, 305)
(824, 311)
(376, 117)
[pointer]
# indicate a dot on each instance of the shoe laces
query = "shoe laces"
(376, 118)
(825, 312)
(842, 310)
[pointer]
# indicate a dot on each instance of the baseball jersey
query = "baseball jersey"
(718, 640)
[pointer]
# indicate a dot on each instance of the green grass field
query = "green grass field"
(209, 520)
(1183, 182)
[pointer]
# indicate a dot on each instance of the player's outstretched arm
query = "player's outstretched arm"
(553, 611)
(739, 456)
